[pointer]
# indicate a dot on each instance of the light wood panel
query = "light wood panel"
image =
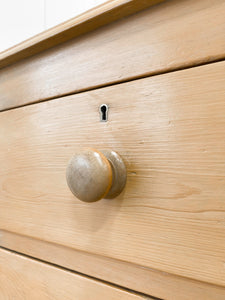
(144, 280)
(22, 278)
(103, 14)
(174, 34)
(170, 131)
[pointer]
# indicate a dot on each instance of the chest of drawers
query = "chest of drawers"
(160, 71)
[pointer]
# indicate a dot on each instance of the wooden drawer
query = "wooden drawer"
(169, 36)
(170, 131)
(22, 278)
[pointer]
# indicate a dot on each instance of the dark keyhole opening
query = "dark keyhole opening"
(103, 111)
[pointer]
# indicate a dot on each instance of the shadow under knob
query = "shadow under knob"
(92, 175)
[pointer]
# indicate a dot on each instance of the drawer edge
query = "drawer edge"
(140, 279)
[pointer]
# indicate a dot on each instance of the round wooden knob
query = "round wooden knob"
(92, 175)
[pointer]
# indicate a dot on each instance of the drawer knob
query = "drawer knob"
(92, 175)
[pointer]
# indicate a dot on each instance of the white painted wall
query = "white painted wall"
(21, 19)
(58, 11)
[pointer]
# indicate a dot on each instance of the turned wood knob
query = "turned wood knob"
(92, 175)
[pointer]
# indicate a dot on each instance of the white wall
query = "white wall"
(21, 19)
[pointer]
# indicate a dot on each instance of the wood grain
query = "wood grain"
(22, 278)
(172, 35)
(144, 280)
(169, 129)
(92, 19)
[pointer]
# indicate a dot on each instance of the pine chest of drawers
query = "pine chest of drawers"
(159, 69)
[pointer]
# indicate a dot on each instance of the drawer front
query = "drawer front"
(170, 131)
(22, 278)
(168, 36)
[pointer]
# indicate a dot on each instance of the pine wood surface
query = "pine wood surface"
(141, 279)
(169, 129)
(22, 278)
(90, 20)
(172, 35)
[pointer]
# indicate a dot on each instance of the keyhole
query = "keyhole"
(104, 113)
